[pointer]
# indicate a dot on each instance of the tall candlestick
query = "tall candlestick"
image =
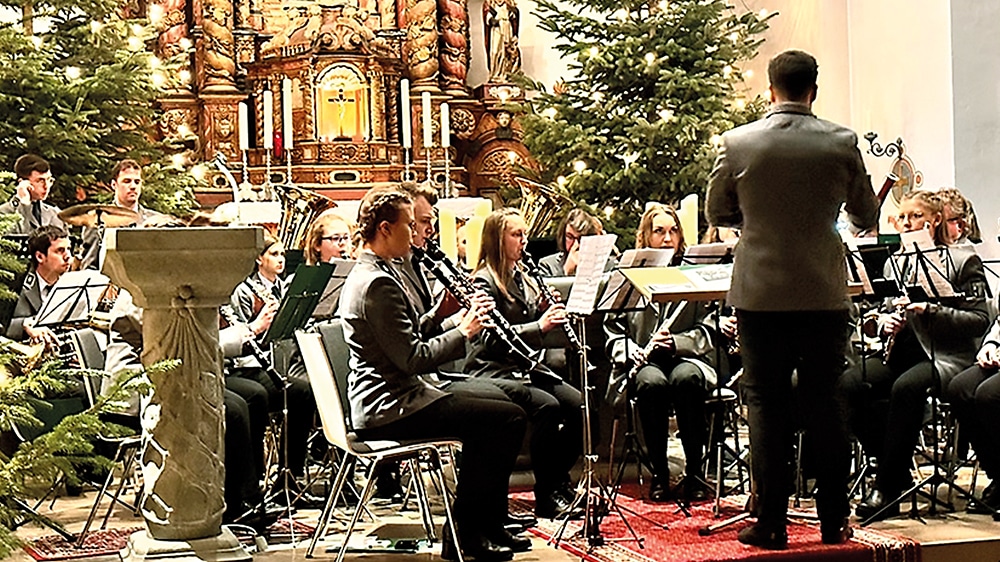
(268, 118)
(473, 241)
(405, 116)
(286, 113)
(425, 105)
(244, 124)
(445, 126)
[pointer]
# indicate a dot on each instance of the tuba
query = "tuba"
(299, 208)
(539, 204)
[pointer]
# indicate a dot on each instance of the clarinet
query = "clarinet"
(461, 286)
(229, 315)
(550, 295)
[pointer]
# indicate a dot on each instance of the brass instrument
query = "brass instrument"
(299, 208)
(539, 204)
(550, 295)
(461, 286)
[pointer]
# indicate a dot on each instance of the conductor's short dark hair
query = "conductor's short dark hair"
(793, 74)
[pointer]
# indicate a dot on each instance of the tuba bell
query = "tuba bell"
(299, 208)
(539, 204)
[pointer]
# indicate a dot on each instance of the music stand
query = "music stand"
(73, 297)
(929, 282)
(326, 306)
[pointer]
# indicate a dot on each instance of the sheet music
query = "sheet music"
(327, 305)
(646, 257)
(594, 254)
(716, 277)
(856, 266)
(74, 296)
(709, 253)
(920, 245)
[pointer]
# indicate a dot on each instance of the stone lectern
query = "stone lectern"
(180, 277)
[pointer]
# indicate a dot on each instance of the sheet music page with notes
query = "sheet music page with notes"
(856, 266)
(594, 254)
(920, 245)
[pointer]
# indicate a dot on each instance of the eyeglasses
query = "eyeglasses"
(337, 238)
(47, 180)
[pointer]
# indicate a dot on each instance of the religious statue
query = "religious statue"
(501, 18)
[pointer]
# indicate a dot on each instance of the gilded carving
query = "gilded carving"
(420, 48)
(171, 121)
(219, 52)
(378, 104)
(454, 44)
(463, 123)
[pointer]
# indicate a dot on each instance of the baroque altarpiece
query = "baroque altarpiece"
(345, 60)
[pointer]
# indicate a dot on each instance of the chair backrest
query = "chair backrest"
(325, 389)
(332, 334)
(91, 353)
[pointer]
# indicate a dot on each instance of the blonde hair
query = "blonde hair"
(314, 239)
(645, 229)
(933, 204)
(491, 254)
(962, 206)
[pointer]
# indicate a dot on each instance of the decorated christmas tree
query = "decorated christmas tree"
(653, 86)
(78, 86)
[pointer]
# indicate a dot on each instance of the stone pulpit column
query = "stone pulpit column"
(180, 277)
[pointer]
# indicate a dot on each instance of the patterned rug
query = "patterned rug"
(97, 544)
(668, 535)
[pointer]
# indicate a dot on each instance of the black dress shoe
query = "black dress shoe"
(520, 520)
(836, 532)
(988, 503)
(551, 505)
(512, 541)
(475, 547)
(659, 489)
(874, 504)
(759, 535)
(692, 489)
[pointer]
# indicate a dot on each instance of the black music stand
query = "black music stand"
(326, 306)
(930, 284)
(73, 297)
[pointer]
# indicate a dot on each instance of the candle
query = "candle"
(483, 208)
(244, 125)
(688, 215)
(449, 233)
(268, 118)
(445, 126)
(474, 235)
(404, 98)
(425, 105)
(286, 113)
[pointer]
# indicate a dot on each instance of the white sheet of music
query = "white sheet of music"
(932, 277)
(646, 257)
(594, 254)
(856, 264)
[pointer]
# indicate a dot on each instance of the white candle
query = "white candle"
(286, 113)
(404, 100)
(425, 105)
(268, 118)
(445, 126)
(244, 125)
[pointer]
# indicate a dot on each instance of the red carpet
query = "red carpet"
(680, 539)
(98, 543)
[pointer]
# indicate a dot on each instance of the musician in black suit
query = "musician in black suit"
(553, 406)
(390, 400)
(34, 180)
(947, 331)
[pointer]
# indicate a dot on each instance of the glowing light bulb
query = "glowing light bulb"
(185, 43)
(137, 29)
(621, 14)
(178, 160)
(593, 51)
(748, 73)
(36, 41)
(734, 36)
(666, 114)
(716, 140)
(134, 43)
(762, 13)
(154, 62)
(155, 13)
(741, 104)
(727, 70)
(561, 181)
(184, 76)
(72, 72)
(549, 113)
(608, 211)
(650, 58)
(158, 79)
(199, 171)
(96, 26)
(184, 130)
(579, 166)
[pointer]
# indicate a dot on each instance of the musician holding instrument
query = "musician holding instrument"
(670, 353)
(34, 181)
(389, 397)
(575, 224)
(553, 406)
(947, 331)
(329, 238)
(256, 300)
(783, 180)
(50, 258)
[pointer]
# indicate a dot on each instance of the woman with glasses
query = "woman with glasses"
(917, 331)
(329, 237)
(578, 223)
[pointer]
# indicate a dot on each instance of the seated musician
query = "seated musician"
(553, 406)
(974, 395)
(242, 483)
(390, 400)
(50, 258)
(950, 328)
(678, 369)
(961, 228)
(255, 301)
(34, 181)
(575, 224)
(329, 237)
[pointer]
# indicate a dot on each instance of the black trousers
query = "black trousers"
(242, 489)
(681, 385)
(555, 410)
(813, 343)
(256, 400)
(490, 431)
(301, 412)
(974, 395)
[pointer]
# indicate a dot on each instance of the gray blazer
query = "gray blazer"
(29, 302)
(387, 354)
(28, 224)
(783, 179)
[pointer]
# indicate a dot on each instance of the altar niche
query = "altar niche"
(343, 105)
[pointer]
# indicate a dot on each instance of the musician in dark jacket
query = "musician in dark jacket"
(948, 330)
(390, 400)
(553, 406)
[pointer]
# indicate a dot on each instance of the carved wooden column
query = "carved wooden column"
(454, 45)
(420, 48)
(180, 277)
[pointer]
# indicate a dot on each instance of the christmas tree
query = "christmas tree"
(654, 85)
(78, 87)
